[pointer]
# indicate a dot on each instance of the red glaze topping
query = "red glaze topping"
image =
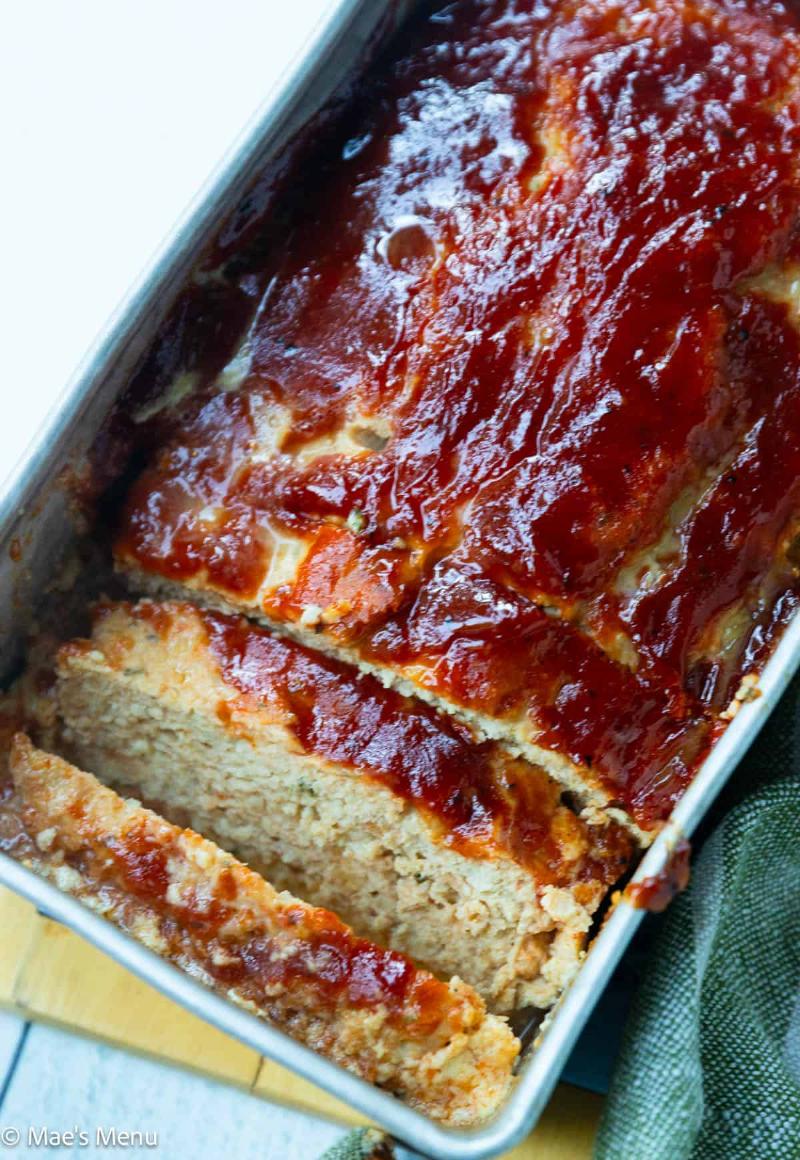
(728, 544)
(142, 860)
(325, 953)
(263, 943)
(657, 892)
(528, 254)
(333, 961)
(496, 651)
(484, 799)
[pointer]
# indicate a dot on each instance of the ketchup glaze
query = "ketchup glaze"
(527, 266)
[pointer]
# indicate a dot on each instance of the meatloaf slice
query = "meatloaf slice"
(342, 791)
(370, 1010)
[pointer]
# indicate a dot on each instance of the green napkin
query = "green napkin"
(710, 1062)
(361, 1144)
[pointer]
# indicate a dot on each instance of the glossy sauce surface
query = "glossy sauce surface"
(499, 653)
(485, 801)
(656, 892)
(525, 275)
(320, 950)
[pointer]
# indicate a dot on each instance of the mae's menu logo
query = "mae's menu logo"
(43, 1137)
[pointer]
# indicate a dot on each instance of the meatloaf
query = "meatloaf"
(366, 1008)
(514, 422)
(462, 484)
(340, 790)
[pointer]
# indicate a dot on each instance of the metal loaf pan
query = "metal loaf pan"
(36, 528)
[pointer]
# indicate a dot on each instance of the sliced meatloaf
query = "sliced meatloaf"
(300, 967)
(344, 792)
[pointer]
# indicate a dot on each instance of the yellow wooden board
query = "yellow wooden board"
(68, 981)
(50, 974)
(18, 922)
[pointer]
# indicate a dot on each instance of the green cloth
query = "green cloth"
(710, 1062)
(362, 1144)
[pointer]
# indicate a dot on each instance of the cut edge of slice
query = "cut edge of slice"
(145, 705)
(371, 1011)
(517, 737)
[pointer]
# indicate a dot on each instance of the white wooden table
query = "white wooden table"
(60, 1083)
(114, 115)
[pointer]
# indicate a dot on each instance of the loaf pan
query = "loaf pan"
(38, 525)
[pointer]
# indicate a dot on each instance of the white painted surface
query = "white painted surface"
(12, 1029)
(113, 115)
(64, 1083)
